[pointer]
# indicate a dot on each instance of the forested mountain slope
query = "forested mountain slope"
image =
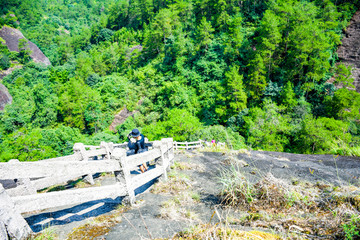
(250, 73)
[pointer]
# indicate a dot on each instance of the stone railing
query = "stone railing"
(188, 145)
(86, 160)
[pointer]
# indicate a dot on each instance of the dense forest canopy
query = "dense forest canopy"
(258, 74)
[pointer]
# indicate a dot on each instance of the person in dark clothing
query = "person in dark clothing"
(137, 144)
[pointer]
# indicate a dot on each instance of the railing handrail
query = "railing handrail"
(188, 145)
(77, 165)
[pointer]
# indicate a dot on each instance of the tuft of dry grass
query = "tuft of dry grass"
(215, 232)
(176, 183)
(305, 209)
(188, 166)
(175, 208)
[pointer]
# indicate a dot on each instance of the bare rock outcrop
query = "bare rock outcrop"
(12, 37)
(120, 118)
(349, 51)
(5, 97)
(123, 115)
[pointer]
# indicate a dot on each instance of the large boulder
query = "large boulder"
(5, 97)
(12, 37)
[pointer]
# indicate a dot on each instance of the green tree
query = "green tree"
(256, 78)
(178, 123)
(344, 105)
(45, 105)
(235, 91)
(76, 98)
(176, 95)
(267, 128)
(220, 134)
(4, 62)
(288, 96)
(204, 33)
(24, 51)
(26, 146)
(322, 135)
(20, 112)
(269, 39)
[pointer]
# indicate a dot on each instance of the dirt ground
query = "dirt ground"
(191, 197)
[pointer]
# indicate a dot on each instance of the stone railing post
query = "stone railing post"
(29, 188)
(164, 144)
(123, 177)
(12, 224)
(106, 146)
(163, 161)
(79, 148)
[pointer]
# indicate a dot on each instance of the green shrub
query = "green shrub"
(178, 124)
(322, 135)
(4, 62)
(220, 134)
(352, 228)
(92, 79)
(97, 138)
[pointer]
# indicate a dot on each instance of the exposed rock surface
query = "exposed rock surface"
(120, 118)
(349, 51)
(5, 97)
(12, 37)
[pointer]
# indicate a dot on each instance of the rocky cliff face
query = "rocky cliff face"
(12, 37)
(5, 97)
(120, 118)
(349, 51)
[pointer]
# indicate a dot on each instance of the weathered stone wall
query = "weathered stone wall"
(349, 51)
(12, 37)
(5, 97)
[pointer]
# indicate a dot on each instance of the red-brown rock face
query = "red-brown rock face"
(349, 51)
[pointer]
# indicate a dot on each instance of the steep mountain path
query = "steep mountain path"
(191, 195)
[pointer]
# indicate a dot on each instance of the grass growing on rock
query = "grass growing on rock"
(187, 166)
(46, 234)
(97, 226)
(176, 207)
(177, 182)
(207, 231)
(304, 210)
